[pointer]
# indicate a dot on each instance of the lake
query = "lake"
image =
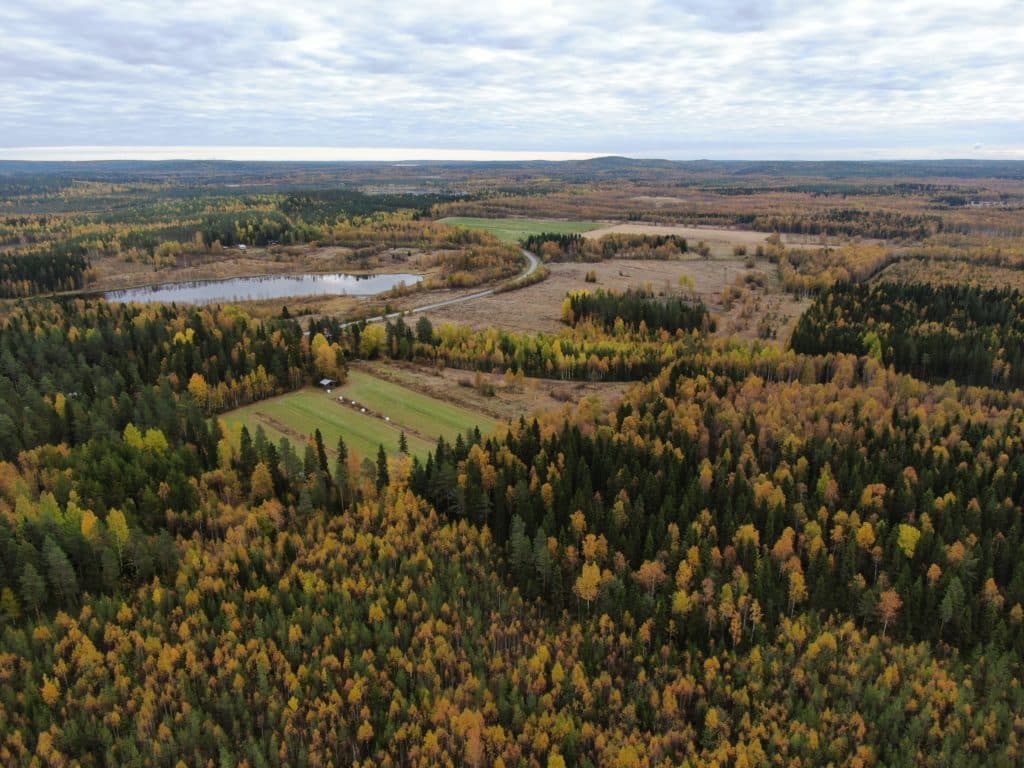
(266, 287)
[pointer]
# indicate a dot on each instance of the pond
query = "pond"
(259, 288)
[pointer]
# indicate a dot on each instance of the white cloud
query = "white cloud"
(684, 79)
(298, 154)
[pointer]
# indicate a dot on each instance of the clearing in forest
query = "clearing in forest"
(512, 230)
(720, 240)
(389, 410)
(538, 308)
(416, 412)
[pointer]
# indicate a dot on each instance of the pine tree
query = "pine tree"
(952, 606)
(10, 611)
(60, 572)
(424, 330)
(246, 454)
(382, 468)
(519, 551)
(341, 469)
(321, 452)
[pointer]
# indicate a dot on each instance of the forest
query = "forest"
(578, 248)
(32, 273)
(588, 353)
(637, 309)
(768, 552)
(961, 332)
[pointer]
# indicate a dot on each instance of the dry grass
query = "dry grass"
(301, 307)
(720, 240)
(538, 308)
(537, 396)
(666, 203)
(512, 230)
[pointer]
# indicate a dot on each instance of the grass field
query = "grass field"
(298, 414)
(513, 230)
(417, 413)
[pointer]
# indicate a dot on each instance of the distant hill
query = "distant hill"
(432, 176)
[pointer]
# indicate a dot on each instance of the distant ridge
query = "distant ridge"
(608, 167)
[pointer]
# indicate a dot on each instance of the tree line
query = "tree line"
(576, 247)
(581, 354)
(967, 333)
(636, 308)
(40, 272)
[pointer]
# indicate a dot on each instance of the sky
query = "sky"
(764, 79)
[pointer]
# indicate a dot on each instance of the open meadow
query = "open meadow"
(720, 240)
(536, 396)
(390, 409)
(740, 298)
(417, 413)
(512, 230)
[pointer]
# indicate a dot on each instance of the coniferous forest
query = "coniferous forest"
(799, 551)
(970, 334)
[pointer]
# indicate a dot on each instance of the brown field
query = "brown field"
(720, 239)
(663, 202)
(659, 200)
(538, 308)
(454, 386)
(301, 307)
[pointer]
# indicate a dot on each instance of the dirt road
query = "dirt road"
(534, 262)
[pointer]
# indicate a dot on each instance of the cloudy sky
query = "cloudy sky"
(689, 79)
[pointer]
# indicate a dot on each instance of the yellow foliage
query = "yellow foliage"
(588, 584)
(681, 602)
(117, 524)
(50, 690)
(89, 521)
(747, 535)
(365, 732)
(866, 536)
(907, 537)
(132, 436)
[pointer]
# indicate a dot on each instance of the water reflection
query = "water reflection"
(267, 287)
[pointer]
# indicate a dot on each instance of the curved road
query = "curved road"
(530, 269)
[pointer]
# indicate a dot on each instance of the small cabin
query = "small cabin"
(328, 383)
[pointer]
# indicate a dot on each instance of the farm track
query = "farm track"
(534, 263)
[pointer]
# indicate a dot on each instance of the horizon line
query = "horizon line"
(240, 153)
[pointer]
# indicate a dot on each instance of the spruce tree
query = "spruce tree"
(382, 468)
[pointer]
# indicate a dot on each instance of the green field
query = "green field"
(514, 230)
(298, 414)
(414, 411)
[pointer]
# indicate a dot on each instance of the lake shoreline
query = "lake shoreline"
(259, 288)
